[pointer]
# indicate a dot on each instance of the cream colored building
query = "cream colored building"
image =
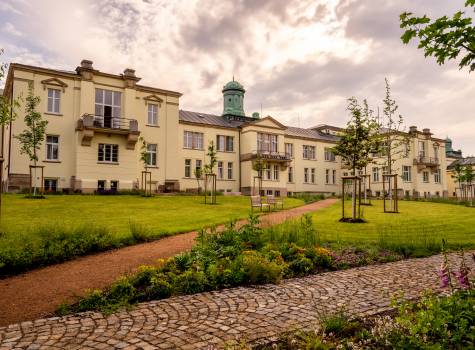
(95, 120)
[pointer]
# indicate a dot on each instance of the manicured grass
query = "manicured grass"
(161, 214)
(416, 221)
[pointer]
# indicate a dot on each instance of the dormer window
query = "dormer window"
(53, 100)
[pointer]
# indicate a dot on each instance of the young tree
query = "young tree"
(145, 159)
(208, 170)
(444, 38)
(358, 142)
(32, 137)
(258, 165)
(198, 172)
(8, 113)
(469, 177)
(459, 176)
(394, 141)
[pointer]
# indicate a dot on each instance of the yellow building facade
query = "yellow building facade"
(96, 122)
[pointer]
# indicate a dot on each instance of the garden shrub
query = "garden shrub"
(191, 282)
(259, 270)
(300, 265)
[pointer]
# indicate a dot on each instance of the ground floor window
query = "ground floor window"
(108, 153)
(269, 192)
(312, 177)
(114, 185)
(220, 170)
(187, 167)
(268, 172)
(305, 175)
(230, 170)
(437, 176)
(276, 172)
(277, 193)
(425, 176)
(334, 177)
(101, 185)
(198, 167)
(51, 185)
(406, 173)
(291, 174)
(151, 154)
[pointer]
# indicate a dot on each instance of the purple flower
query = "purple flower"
(462, 278)
(444, 275)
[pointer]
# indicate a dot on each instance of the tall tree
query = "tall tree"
(8, 112)
(33, 136)
(358, 142)
(445, 38)
(459, 176)
(394, 141)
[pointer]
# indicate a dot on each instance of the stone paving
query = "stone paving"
(216, 318)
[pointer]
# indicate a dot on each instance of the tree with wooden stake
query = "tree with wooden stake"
(146, 183)
(32, 137)
(8, 112)
(394, 145)
(198, 172)
(210, 176)
(459, 176)
(258, 165)
(469, 177)
(358, 142)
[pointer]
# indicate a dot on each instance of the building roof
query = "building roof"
(310, 134)
(220, 121)
(233, 85)
(463, 162)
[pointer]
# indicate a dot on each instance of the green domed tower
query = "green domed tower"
(233, 99)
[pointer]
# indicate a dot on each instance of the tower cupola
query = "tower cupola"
(233, 99)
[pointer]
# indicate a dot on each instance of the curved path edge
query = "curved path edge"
(38, 293)
(230, 315)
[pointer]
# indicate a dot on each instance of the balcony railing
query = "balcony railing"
(96, 121)
(427, 161)
(270, 155)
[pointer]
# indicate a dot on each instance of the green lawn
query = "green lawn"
(416, 221)
(161, 214)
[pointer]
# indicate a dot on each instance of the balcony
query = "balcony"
(90, 124)
(277, 157)
(423, 162)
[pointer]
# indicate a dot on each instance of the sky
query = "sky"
(299, 60)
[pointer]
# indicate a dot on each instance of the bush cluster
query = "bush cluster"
(308, 197)
(233, 257)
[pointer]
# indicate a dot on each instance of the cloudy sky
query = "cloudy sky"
(298, 59)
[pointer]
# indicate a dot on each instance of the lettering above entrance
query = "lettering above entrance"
(55, 82)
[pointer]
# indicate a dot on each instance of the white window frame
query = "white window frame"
(152, 110)
(289, 150)
(230, 170)
(437, 176)
(268, 172)
(305, 175)
(309, 152)
(425, 178)
(333, 176)
(51, 147)
(188, 168)
(220, 143)
(152, 152)
(375, 173)
(312, 175)
(220, 169)
(108, 153)
(276, 172)
(193, 140)
(406, 173)
(54, 101)
(327, 176)
(329, 155)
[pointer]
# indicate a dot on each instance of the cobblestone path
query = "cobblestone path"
(215, 318)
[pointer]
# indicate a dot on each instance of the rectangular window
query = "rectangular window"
(436, 152)
(51, 185)
(290, 174)
(437, 176)
(229, 143)
(305, 175)
(289, 150)
(151, 154)
(329, 155)
(101, 185)
(230, 170)
(312, 178)
(187, 167)
(53, 100)
(198, 166)
(334, 177)
(422, 149)
(385, 170)
(114, 185)
(276, 172)
(52, 147)
(425, 176)
(308, 152)
(193, 140)
(406, 149)
(327, 176)
(220, 170)
(268, 172)
(108, 108)
(220, 143)
(266, 142)
(108, 153)
(375, 174)
(152, 114)
(406, 173)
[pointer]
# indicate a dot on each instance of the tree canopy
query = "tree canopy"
(444, 38)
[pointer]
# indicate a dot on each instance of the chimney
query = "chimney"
(426, 131)
(130, 78)
(413, 129)
(85, 70)
(86, 64)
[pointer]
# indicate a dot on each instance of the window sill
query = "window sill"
(309, 158)
(330, 161)
(55, 114)
(152, 166)
(194, 149)
(108, 163)
(225, 151)
(153, 125)
(218, 179)
(51, 161)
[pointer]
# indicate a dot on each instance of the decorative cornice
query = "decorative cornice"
(153, 99)
(54, 82)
